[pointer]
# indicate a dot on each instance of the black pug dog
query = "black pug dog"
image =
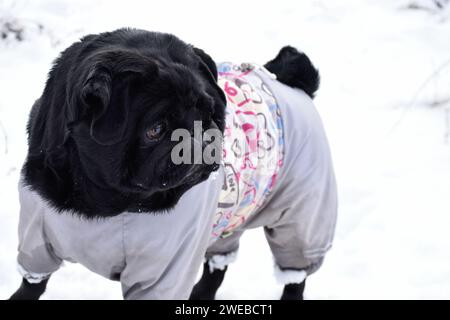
(100, 143)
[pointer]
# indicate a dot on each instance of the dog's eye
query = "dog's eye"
(155, 132)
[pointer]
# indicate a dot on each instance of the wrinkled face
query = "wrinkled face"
(152, 161)
(136, 122)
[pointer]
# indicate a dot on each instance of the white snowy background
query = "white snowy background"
(384, 100)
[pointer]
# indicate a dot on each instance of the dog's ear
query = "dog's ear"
(108, 124)
(208, 62)
(104, 94)
(208, 69)
(96, 91)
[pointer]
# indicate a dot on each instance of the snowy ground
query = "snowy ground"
(392, 157)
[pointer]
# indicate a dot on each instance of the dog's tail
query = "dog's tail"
(294, 68)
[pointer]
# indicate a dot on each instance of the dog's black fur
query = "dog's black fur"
(88, 149)
(30, 291)
(210, 281)
(88, 152)
(294, 68)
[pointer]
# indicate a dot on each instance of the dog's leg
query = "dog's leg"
(209, 283)
(293, 291)
(218, 256)
(30, 291)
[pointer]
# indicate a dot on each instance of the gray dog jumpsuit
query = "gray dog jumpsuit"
(277, 173)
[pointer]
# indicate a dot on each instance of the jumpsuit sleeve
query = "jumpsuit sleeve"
(36, 259)
(312, 196)
(317, 202)
(166, 264)
(307, 204)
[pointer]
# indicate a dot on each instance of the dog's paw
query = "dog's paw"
(29, 291)
(202, 293)
(208, 285)
(293, 291)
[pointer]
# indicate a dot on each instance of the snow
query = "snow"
(378, 63)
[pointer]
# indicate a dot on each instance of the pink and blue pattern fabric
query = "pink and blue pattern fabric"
(253, 146)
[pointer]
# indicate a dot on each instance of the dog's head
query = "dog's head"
(130, 106)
